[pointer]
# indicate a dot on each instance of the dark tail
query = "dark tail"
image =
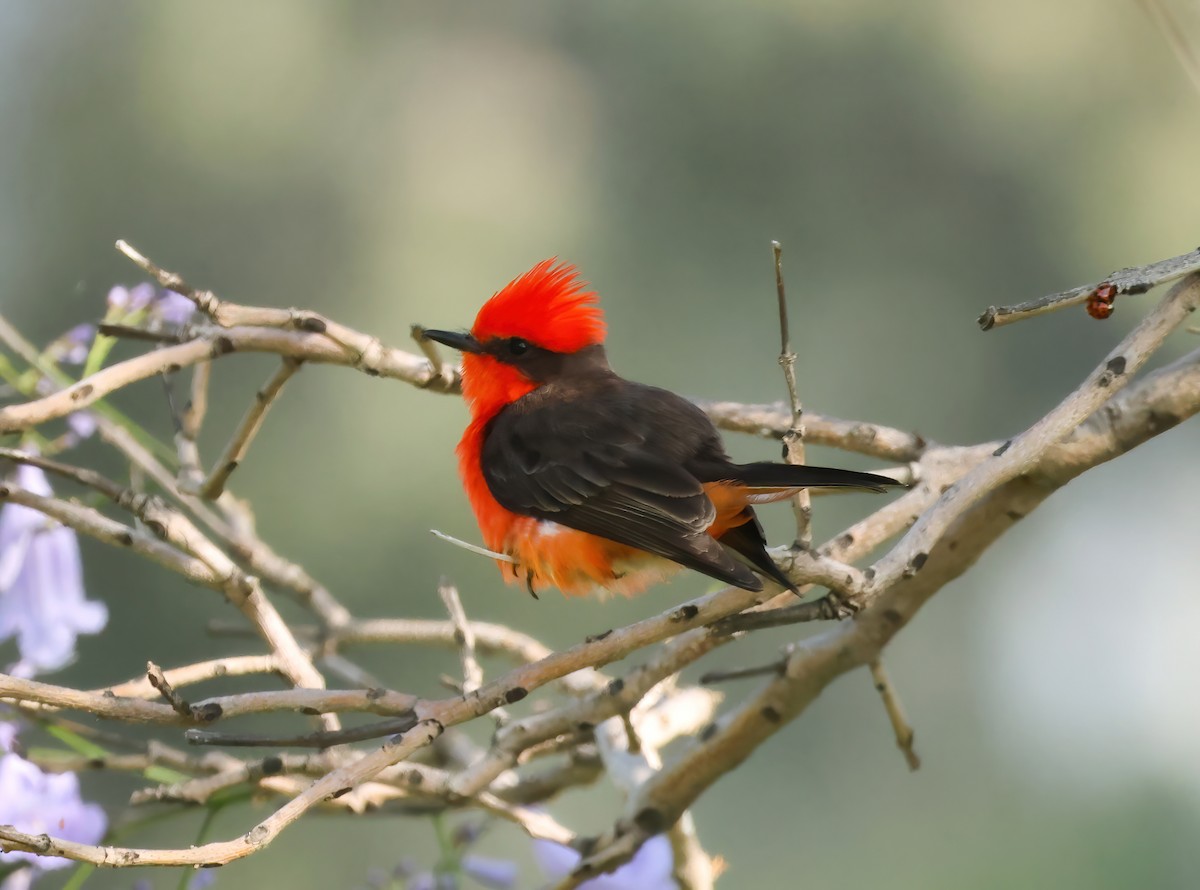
(747, 539)
(770, 475)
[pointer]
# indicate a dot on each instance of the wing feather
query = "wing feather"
(612, 466)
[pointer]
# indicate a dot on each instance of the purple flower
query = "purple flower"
(129, 300)
(72, 347)
(43, 803)
(81, 425)
(650, 868)
(42, 600)
(497, 874)
(173, 309)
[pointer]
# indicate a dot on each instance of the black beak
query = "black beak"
(461, 342)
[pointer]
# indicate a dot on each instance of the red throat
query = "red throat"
(549, 307)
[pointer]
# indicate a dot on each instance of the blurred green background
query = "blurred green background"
(392, 163)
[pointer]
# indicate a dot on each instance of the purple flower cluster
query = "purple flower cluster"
(649, 869)
(42, 803)
(44, 606)
(42, 600)
(163, 307)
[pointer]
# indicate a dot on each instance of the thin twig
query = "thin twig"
(222, 852)
(793, 439)
(430, 350)
(236, 450)
(209, 710)
(191, 473)
(471, 548)
(201, 671)
(763, 670)
(154, 674)
(463, 632)
(1130, 280)
(905, 735)
(319, 739)
(773, 421)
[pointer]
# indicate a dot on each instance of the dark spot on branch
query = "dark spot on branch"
(1158, 421)
(312, 712)
(4, 492)
(257, 835)
(585, 726)
(272, 766)
(222, 346)
(515, 694)
(1014, 515)
(230, 467)
(596, 638)
(96, 763)
(81, 392)
(1116, 365)
(650, 820)
(207, 713)
(414, 777)
(172, 368)
(375, 693)
(125, 539)
(771, 714)
(1139, 288)
(459, 636)
(156, 528)
(339, 793)
(585, 845)
(370, 372)
(709, 730)
(845, 540)
(893, 617)
(1003, 448)
(685, 613)
(615, 686)
(311, 324)
(918, 561)
(869, 574)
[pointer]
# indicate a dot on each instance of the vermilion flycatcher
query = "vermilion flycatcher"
(590, 482)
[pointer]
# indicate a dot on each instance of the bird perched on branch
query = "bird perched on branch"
(590, 482)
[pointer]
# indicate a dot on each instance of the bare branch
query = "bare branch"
(773, 421)
(793, 439)
(261, 835)
(1021, 454)
(236, 450)
(895, 711)
(1130, 280)
(109, 706)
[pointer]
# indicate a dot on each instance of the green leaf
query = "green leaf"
(76, 742)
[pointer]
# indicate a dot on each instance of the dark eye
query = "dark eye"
(517, 346)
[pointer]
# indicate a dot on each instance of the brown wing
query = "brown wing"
(611, 459)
